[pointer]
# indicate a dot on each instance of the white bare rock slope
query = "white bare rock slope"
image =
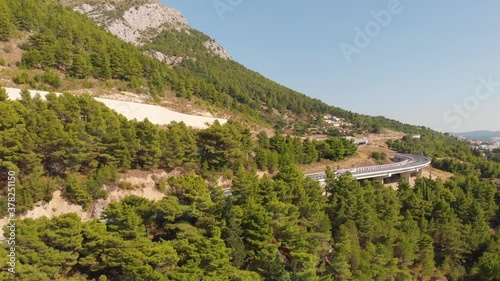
(132, 110)
(60, 205)
(216, 49)
(136, 24)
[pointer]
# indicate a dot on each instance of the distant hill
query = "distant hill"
(479, 135)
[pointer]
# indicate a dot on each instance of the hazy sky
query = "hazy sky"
(431, 63)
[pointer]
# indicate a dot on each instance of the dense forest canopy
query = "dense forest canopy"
(280, 227)
(67, 137)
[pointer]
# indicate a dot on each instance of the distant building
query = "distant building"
(344, 131)
(358, 141)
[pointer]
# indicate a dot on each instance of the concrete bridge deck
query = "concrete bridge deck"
(405, 165)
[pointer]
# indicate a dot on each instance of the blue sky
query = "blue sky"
(433, 63)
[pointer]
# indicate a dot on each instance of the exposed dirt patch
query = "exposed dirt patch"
(434, 173)
(59, 205)
(224, 183)
(496, 182)
(56, 207)
(10, 51)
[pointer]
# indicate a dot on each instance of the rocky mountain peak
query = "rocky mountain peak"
(135, 22)
(138, 21)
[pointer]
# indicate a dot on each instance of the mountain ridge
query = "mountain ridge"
(479, 134)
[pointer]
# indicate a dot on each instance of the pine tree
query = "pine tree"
(178, 147)
(81, 67)
(244, 185)
(256, 229)
(272, 161)
(232, 234)
(122, 219)
(3, 94)
(309, 152)
(101, 64)
(7, 28)
(76, 192)
(488, 265)
(148, 154)
(340, 266)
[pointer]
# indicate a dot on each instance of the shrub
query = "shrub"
(23, 78)
(162, 185)
(126, 185)
(379, 155)
(87, 84)
(49, 78)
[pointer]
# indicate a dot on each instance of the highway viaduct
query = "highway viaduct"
(404, 166)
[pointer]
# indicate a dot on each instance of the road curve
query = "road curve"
(404, 163)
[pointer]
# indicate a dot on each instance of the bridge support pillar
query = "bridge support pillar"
(419, 173)
(379, 179)
(406, 176)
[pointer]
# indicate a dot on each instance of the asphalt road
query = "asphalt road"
(405, 161)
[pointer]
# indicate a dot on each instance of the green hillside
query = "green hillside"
(64, 45)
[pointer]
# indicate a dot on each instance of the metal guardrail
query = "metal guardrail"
(410, 162)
